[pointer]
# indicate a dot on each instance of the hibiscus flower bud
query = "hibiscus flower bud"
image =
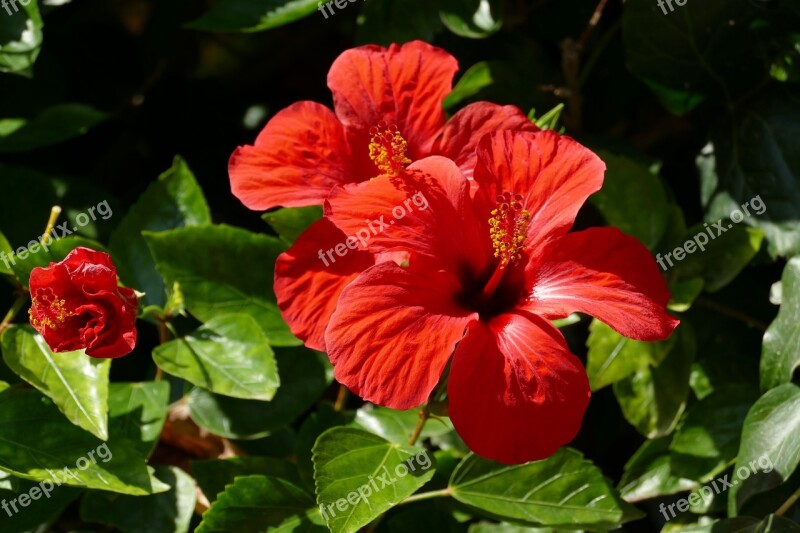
(77, 304)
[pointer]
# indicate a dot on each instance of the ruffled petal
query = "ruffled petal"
(459, 140)
(426, 210)
(299, 156)
(516, 393)
(604, 273)
(393, 332)
(554, 174)
(310, 276)
(402, 85)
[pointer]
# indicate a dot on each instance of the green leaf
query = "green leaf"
(613, 357)
(633, 199)
(52, 126)
(473, 19)
(653, 398)
(719, 261)
(756, 167)
(174, 201)
(40, 444)
(77, 383)
(651, 472)
(252, 15)
(746, 524)
(42, 254)
(303, 380)
(215, 269)
(290, 223)
(228, 355)
(360, 476)
(321, 420)
(710, 430)
(548, 121)
(137, 413)
(40, 513)
(477, 77)
(564, 490)
(166, 512)
(685, 54)
(781, 352)
(6, 251)
(770, 447)
(397, 426)
(260, 504)
(20, 38)
(213, 476)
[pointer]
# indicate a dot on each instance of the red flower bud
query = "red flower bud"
(77, 304)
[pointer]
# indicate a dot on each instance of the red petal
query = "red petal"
(604, 273)
(307, 289)
(393, 332)
(298, 157)
(554, 174)
(404, 85)
(436, 219)
(462, 132)
(516, 392)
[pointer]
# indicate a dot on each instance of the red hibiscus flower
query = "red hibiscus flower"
(77, 304)
(487, 271)
(388, 113)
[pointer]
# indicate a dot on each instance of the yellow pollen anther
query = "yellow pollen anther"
(508, 227)
(387, 149)
(48, 311)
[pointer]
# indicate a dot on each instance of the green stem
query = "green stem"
(788, 503)
(18, 304)
(341, 399)
(443, 493)
(424, 414)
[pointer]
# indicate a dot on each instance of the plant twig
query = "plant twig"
(788, 503)
(424, 414)
(732, 313)
(341, 399)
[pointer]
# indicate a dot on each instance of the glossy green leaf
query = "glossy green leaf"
(40, 444)
(214, 266)
(720, 260)
(303, 380)
(41, 512)
(256, 504)
(290, 223)
(252, 15)
(212, 476)
(613, 357)
(710, 430)
(653, 398)
(360, 476)
(174, 201)
(756, 167)
(633, 199)
(77, 383)
(397, 426)
(781, 353)
(564, 490)
(476, 77)
(228, 355)
(474, 19)
(20, 37)
(6, 251)
(770, 447)
(137, 412)
(166, 512)
(321, 420)
(651, 472)
(52, 126)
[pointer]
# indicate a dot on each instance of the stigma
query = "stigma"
(47, 310)
(387, 149)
